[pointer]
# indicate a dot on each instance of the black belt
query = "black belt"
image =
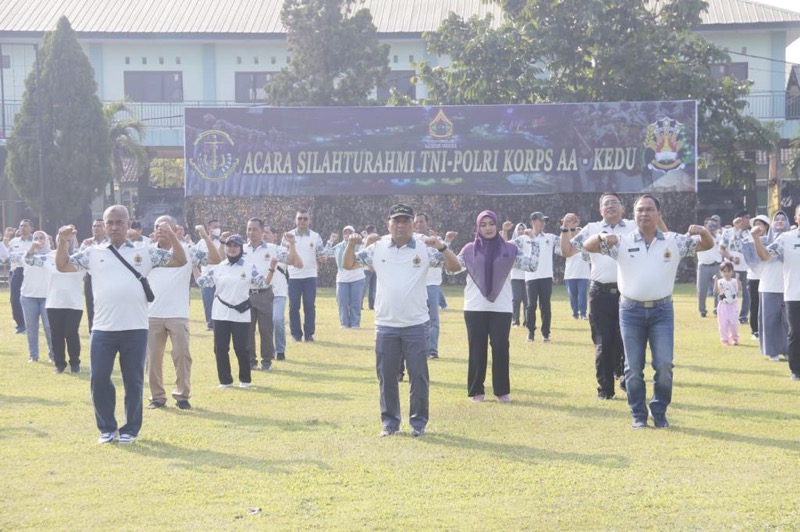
(606, 288)
(646, 304)
(259, 290)
(709, 264)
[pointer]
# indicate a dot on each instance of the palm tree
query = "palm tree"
(128, 157)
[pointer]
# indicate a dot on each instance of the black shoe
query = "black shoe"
(75, 369)
(309, 338)
(660, 421)
(59, 370)
(253, 365)
(604, 396)
(156, 404)
(418, 432)
(622, 384)
(639, 424)
(266, 367)
(433, 355)
(280, 356)
(183, 404)
(703, 314)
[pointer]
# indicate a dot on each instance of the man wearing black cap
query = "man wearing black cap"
(539, 284)
(401, 311)
(730, 246)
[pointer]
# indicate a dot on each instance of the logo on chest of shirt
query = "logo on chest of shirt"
(667, 256)
(311, 244)
(243, 276)
(137, 259)
(266, 255)
(417, 261)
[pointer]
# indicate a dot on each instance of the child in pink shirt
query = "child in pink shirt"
(727, 288)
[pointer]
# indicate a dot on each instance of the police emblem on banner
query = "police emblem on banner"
(665, 140)
(214, 158)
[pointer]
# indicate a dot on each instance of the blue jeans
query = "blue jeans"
(307, 290)
(349, 296)
(369, 288)
(33, 310)
(207, 293)
(434, 295)
(392, 346)
(279, 323)
(640, 326)
(132, 348)
(577, 289)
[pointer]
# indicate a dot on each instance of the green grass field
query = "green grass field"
(301, 450)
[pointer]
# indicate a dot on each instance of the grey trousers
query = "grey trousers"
(261, 316)
(392, 346)
(705, 279)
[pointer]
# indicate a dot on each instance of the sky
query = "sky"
(793, 52)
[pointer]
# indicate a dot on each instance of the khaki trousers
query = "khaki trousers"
(177, 330)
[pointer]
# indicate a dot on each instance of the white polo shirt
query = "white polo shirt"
(233, 283)
(119, 300)
(171, 286)
(280, 285)
(711, 256)
(261, 255)
(342, 275)
(307, 245)
(733, 240)
(603, 267)
(647, 273)
(577, 266)
(202, 246)
(787, 247)
(474, 300)
(64, 290)
(34, 284)
(544, 245)
(19, 245)
(401, 299)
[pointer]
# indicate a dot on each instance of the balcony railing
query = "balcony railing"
(761, 105)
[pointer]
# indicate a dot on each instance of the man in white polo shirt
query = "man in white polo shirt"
(787, 248)
(603, 290)
(647, 262)
(19, 244)
(120, 321)
(303, 281)
(98, 237)
(401, 265)
(213, 229)
(539, 284)
(168, 317)
(707, 267)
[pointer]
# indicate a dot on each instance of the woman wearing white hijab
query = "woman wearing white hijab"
(34, 295)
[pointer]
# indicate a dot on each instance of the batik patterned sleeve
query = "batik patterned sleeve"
(435, 257)
(611, 251)
(159, 257)
(197, 256)
(257, 279)
(207, 279)
(35, 260)
(528, 263)
(775, 249)
(81, 259)
(578, 240)
(282, 254)
(322, 249)
(16, 258)
(687, 246)
(3, 254)
(365, 256)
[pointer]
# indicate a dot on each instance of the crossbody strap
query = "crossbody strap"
(123, 261)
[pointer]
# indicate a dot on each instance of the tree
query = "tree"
(597, 50)
(336, 58)
(128, 157)
(61, 115)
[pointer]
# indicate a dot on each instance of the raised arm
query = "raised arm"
(65, 233)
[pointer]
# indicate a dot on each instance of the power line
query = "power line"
(762, 57)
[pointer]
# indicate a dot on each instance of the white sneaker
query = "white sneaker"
(776, 358)
(125, 439)
(224, 385)
(245, 385)
(106, 437)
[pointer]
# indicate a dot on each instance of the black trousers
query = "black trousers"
(793, 345)
(484, 328)
(519, 297)
(15, 284)
(224, 331)
(64, 323)
(539, 293)
(88, 296)
(609, 354)
(752, 288)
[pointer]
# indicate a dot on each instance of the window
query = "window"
(154, 86)
(729, 70)
(250, 86)
(401, 80)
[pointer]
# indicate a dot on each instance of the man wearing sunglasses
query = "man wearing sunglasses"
(303, 281)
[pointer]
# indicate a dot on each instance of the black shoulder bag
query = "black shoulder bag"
(148, 292)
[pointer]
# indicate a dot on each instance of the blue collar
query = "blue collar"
(298, 233)
(412, 243)
(127, 244)
(637, 235)
(261, 245)
(621, 223)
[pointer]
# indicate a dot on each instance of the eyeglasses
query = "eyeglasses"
(302, 218)
(611, 203)
(712, 226)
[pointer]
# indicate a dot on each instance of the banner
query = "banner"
(477, 150)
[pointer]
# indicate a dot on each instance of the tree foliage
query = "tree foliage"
(129, 157)
(597, 50)
(336, 58)
(61, 109)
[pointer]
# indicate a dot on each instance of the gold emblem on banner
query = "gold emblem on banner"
(213, 155)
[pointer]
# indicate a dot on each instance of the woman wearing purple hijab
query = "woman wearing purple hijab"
(487, 304)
